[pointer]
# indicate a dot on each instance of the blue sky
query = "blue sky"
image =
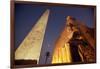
(26, 15)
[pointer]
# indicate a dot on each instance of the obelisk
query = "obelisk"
(30, 47)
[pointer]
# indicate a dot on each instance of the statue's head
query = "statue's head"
(70, 20)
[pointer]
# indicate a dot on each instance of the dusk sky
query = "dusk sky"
(26, 15)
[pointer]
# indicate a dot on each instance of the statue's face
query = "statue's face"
(70, 20)
(71, 23)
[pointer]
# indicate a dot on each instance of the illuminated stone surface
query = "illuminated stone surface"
(59, 55)
(30, 47)
(62, 51)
